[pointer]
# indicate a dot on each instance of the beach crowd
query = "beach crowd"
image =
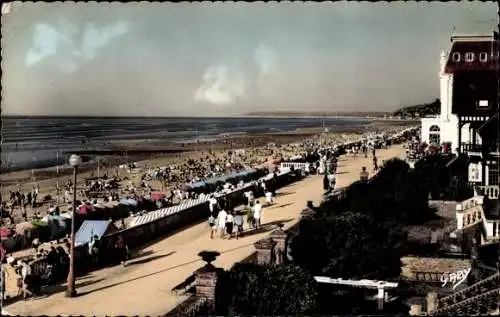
(171, 184)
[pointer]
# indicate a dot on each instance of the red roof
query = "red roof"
(484, 55)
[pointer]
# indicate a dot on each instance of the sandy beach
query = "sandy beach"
(260, 149)
(147, 287)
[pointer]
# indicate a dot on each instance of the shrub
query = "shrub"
(266, 290)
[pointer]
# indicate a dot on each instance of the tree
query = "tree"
(251, 289)
(434, 174)
(396, 193)
(348, 245)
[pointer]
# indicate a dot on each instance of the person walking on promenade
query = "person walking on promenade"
(238, 222)
(230, 224)
(326, 183)
(363, 175)
(269, 197)
(375, 165)
(257, 214)
(94, 249)
(221, 221)
(212, 223)
(332, 180)
(123, 251)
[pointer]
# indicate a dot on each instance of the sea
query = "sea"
(38, 142)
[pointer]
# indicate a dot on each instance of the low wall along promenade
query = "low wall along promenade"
(158, 223)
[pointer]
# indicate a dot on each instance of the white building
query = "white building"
(468, 93)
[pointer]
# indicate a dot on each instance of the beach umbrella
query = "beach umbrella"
(4, 232)
(23, 226)
(84, 209)
(157, 195)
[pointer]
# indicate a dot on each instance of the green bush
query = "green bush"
(250, 289)
(348, 245)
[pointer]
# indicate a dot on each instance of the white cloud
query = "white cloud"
(49, 41)
(45, 43)
(267, 77)
(221, 86)
(95, 39)
(265, 58)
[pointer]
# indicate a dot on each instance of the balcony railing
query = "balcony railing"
(468, 147)
(491, 191)
(488, 147)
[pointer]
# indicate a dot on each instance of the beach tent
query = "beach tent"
(157, 195)
(23, 226)
(58, 226)
(100, 206)
(124, 201)
(91, 228)
(85, 209)
(4, 232)
(66, 215)
(132, 202)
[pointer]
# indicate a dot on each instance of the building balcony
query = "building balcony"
(478, 148)
(468, 147)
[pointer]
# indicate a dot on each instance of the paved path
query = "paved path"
(145, 286)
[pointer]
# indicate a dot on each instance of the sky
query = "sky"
(217, 59)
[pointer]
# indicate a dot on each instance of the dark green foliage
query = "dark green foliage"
(349, 245)
(434, 173)
(443, 182)
(250, 289)
(361, 235)
(422, 110)
(396, 193)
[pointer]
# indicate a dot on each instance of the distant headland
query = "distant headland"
(406, 112)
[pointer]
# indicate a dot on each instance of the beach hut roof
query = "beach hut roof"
(90, 228)
(124, 201)
(132, 202)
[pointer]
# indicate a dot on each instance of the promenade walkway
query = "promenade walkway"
(144, 287)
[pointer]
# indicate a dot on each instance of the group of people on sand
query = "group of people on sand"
(30, 277)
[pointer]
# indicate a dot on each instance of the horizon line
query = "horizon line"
(247, 114)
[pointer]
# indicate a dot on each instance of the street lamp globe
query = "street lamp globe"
(75, 160)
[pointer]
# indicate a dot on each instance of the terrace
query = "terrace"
(478, 210)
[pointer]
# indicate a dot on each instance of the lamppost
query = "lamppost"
(74, 161)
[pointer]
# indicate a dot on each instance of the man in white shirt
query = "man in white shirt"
(250, 196)
(269, 197)
(332, 181)
(257, 213)
(221, 221)
(25, 272)
(212, 203)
